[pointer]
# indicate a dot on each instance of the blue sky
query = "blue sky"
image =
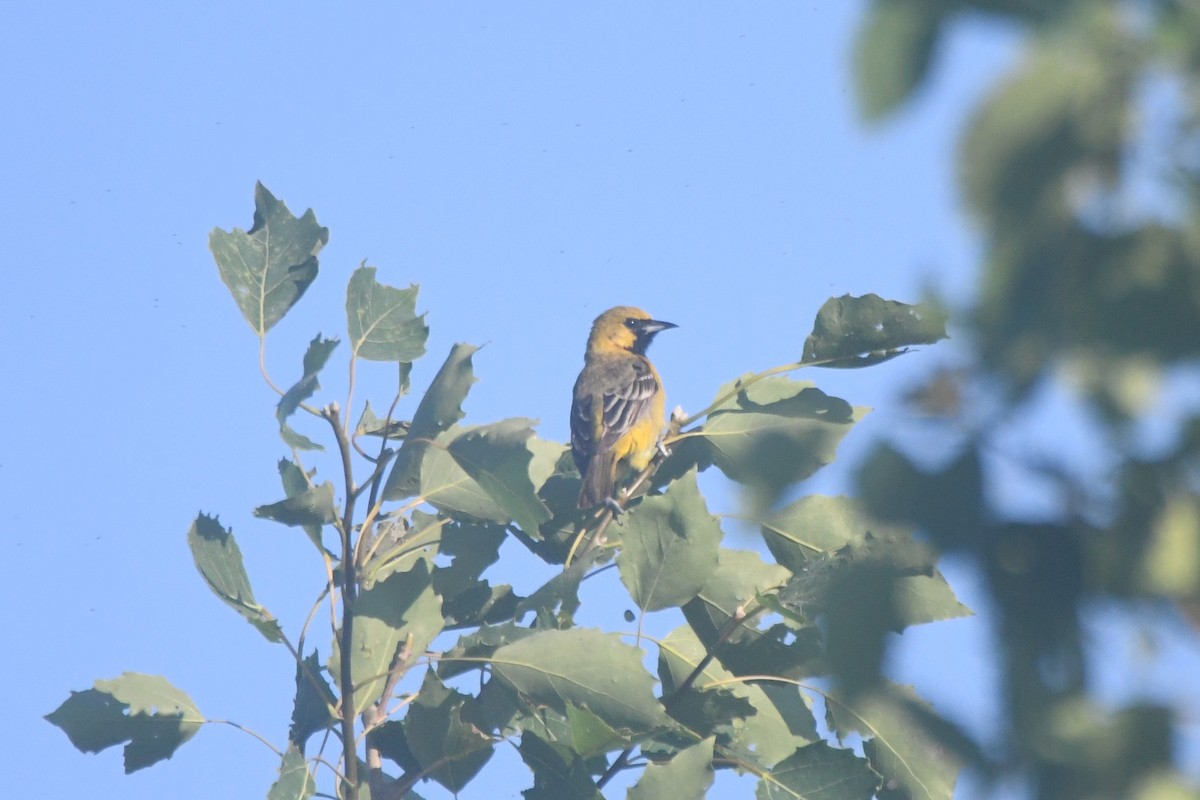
(528, 164)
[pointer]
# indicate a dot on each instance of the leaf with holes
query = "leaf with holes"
(269, 267)
(219, 560)
(587, 668)
(383, 320)
(146, 711)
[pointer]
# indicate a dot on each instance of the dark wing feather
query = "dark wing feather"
(629, 386)
(629, 404)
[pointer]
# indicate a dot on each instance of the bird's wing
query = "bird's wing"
(624, 401)
(627, 405)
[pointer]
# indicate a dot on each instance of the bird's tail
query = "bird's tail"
(597, 482)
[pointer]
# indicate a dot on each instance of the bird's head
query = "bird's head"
(624, 328)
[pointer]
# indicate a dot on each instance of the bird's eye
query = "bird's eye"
(631, 323)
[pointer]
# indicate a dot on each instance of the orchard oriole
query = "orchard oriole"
(617, 410)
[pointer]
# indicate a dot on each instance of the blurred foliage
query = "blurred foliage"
(1081, 168)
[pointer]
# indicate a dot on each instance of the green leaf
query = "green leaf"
(219, 560)
(479, 644)
(295, 781)
(770, 730)
(446, 486)
(893, 52)
(312, 707)
(449, 750)
(314, 361)
(863, 331)
(817, 526)
(586, 668)
(313, 506)
(1064, 112)
(669, 546)
(392, 743)
(499, 458)
(592, 736)
(399, 544)
(926, 598)
(382, 320)
(775, 432)
(555, 778)
(146, 711)
(819, 772)
(371, 425)
(385, 616)
(439, 409)
(898, 749)
(740, 576)
(687, 776)
(269, 267)
(559, 596)
(467, 600)
(296, 483)
(1171, 564)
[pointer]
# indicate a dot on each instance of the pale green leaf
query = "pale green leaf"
(498, 458)
(899, 749)
(1064, 111)
(295, 781)
(819, 772)
(771, 730)
(555, 777)
(385, 616)
(893, 52)
(398, 544)
(592, 736)
(686, 776)
(371, 425)
(669, 546)
(439, 409)
(219, 560)
(586, 668)
(296, 483)
(449, 750)
(153, 717)
(313, 506)
(775, 432)
(741, 575)
(269, 267)
(314, 361)
(382, 320)
(818, 525)
(446, 486)
(1171, 565)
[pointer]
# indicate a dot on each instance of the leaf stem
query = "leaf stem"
(248, 731)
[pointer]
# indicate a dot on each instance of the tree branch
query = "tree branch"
(349, 589)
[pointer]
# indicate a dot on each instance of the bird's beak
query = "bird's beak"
(650, 327)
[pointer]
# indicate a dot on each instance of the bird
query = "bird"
(618, 403)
